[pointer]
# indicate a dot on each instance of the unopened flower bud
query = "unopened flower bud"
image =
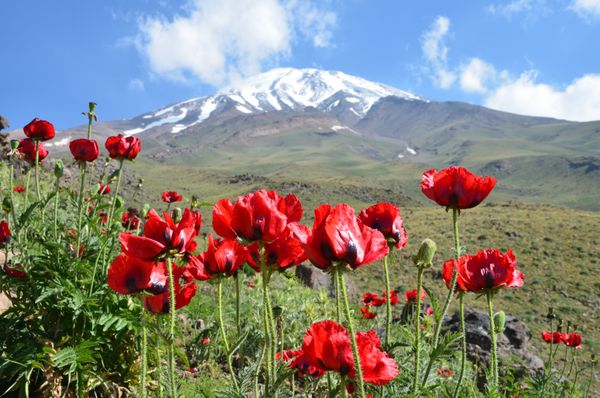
(92, 106)
(59, 168)
(424, 258)
(145, 210)
(500, 321)
(176, 214)
(195, 200)
(277, 311)
(7, 205)
(118, 202)
(14, 144)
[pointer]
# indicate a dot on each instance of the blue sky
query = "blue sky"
(535, 57)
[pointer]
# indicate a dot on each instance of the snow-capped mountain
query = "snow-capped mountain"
(346, 97)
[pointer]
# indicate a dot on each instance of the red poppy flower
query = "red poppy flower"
(26, 149)
(385, 218)
(222, 257)
(4, 233)
(103, 217)
(206, 341)
(296, 359)
(162, 237)
(19, 189)
(445, 372)
(456, 187)
(123, 148)
(339, 236)
(262, 215)
(130, 275)
(284, 252)
(104, 189)
(377, 366)
(411, 295)
(84, 150)
(130, 219)
(327, 345)
(366, 313)
(487, 270)
(171, 197)
(429, 311)
(555, 337)
(574, 340)
(39, 130)
(393, 297)
(372, 299)
(16, 271)
(159, 304)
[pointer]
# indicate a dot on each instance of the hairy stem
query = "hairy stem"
(388, 303)
(463, 356)
(172, 310)
(80, 206)
(417, 331)
(494, 359)
(143, 354)
(357, 364)
(224, 334)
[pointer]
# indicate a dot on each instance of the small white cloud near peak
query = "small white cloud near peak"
(578, 101)
(476, 76)
(136, 84)
(435, 52)
(586, 8)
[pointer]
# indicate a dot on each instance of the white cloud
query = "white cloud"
(216, 41)
(436, 52)
(579, 101)
(136, 84)
(509, 9)
(477, 75)
(586, 8)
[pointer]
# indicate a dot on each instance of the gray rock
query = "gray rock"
(4, 124)
(315, 278)
(512, 344)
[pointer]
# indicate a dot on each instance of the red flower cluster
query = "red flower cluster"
(223, 257)
(487, 270)
(327, 347)
(571, 340)
(120, 147)
(445, 372)
(19, 189)
(130, 220)
(103, 189)
(39, 130)
(411, 295)
(339, 236)
(26, 149)
(456, 187)
(373, 300)
(171, 197)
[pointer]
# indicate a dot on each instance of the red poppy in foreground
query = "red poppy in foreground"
(411, 295)
(296, 359)
(222, 257)
(163, 237)
(339, 236)
(385, 218)
(554, 337)
(487, 270)
(327, 346)
(27, 150)
(84, 150)
(284, 252)
(456, 187)
(40, 130)
(259, 216)
(171, 197)
(130, 275)
(19, 189)
(4, 233)
(574, 340)
(120, 147)
(160, 304)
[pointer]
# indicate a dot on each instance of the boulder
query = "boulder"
(512, 344)
(315, 278)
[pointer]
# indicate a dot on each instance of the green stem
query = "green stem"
(56, 198)
(388, 303)
(494, 360)
(27, 189)
(438, 325)
(224, 334)
(37, 174)
(266, 325)
(172, 310)
(80, 206)
(158, 359)
(343, 392)
(357, 364)
(238, 321)
(111, 213)
(417, 331)
(143, 354)
(12, 195)
(463, 356)
(338, 294)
